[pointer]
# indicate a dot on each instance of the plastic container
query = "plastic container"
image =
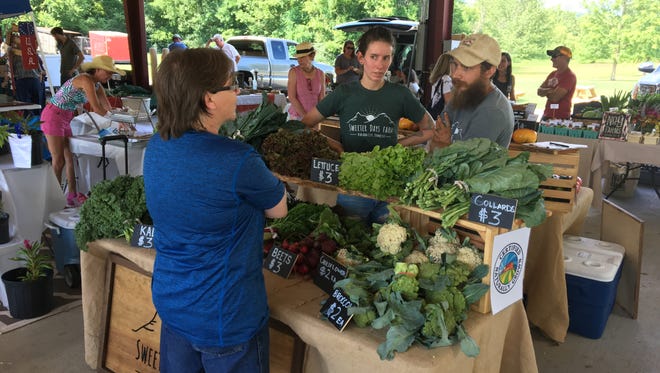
(138, 107)
(593, 269)
(67, 255)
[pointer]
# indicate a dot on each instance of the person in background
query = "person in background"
(306, 85)
(207, 284)
(60, 110)
(27, 81)
(369, 111)
(440, 86)
(559, 86)
(70, 55)
(503, 79)
(477, 108)
(177, 43)
(347, 66)
(229, 49)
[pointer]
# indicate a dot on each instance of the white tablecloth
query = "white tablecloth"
(29, 196)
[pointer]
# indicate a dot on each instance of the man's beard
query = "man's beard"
(471, 96)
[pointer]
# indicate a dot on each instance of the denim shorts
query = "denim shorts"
(178, 355)
(368, 210)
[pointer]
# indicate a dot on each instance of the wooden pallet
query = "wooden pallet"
(559, 194)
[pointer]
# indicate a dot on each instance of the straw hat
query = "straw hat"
(104, 63)
(304, 49)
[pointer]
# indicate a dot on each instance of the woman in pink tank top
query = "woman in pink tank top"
(306, 85)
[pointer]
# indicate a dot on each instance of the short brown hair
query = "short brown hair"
(56, 31)
(182, 81)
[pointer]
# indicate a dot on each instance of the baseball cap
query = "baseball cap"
(477, 48)
(559, 51)
(217, 36)
(177, 36)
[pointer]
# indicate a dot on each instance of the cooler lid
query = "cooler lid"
(592, 259)
(67, 218)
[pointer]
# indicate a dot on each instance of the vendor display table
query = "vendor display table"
(545, 281)
(621, 152)
(586, 154)
(504, 339)
(29, 195)
(18, 105)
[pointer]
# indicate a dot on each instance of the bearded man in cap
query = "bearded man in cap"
(477, 107)
(559, 86)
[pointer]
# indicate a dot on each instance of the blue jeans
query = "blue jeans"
(368, 210)
(178, 355)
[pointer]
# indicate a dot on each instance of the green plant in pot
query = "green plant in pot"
(15, 127)
(30, 288)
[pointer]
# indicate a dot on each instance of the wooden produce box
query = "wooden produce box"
(559, 194)
(482, 236)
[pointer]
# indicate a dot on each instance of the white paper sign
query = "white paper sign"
(508, 268)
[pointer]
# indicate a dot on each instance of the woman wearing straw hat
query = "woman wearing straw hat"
(60, 110)
(306, 86)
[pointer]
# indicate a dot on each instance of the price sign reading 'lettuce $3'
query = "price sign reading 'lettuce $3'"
(492, 210)
(325, 171)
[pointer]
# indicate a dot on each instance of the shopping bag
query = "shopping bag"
(21, 150)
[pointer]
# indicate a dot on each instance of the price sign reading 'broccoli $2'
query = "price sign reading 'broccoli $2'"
(492, 210)
(143, 236)
(280, 261)
(336, 309)
(325, 171)
(328, 272)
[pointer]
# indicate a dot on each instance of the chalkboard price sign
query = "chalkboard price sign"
(336, 309)
(614, 126)
(280, 261)
(492, 210)
(325, 171)
(143, 236)
(328, 272)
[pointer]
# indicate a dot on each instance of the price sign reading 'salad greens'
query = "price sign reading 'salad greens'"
(325, 171)
(336, 309)
(280, 261)
(143, 236)
(328, 272)
(492, 210)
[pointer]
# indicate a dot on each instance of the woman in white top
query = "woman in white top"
(440, 86)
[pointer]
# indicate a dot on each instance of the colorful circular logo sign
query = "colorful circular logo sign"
(507, 268)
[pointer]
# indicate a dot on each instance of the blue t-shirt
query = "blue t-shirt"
(207, 195)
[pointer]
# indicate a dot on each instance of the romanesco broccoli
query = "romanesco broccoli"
(407, 286)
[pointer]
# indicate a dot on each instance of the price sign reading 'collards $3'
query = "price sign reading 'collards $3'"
(492, 210)
(325, 171)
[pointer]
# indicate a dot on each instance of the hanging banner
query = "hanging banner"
(28, 45)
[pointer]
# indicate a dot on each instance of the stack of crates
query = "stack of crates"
(593, 269)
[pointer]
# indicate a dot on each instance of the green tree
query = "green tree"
(80, 15)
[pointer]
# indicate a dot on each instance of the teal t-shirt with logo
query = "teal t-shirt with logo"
(369, 118)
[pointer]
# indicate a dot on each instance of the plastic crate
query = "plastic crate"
(593, 269)
(589, 134)
(573, 132)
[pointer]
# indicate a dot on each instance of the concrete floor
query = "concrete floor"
(55, 344)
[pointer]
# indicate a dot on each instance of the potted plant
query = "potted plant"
(4, 224)
(30, 288)
(25, 138)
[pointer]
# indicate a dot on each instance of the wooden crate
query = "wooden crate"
(559, 194)
(482, 236)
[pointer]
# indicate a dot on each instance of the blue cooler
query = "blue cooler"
(67, 255)
(593, 269)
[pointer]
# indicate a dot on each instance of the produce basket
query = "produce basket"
(559, 194)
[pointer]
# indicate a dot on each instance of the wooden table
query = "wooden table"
(504, 339)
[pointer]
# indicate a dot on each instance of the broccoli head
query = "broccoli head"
(364, 319)
(429, 270)
(407, 286)
(453, 304)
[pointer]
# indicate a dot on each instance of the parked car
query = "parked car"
(650, 82)
(268, 60)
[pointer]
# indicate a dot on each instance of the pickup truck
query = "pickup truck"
(268, 60)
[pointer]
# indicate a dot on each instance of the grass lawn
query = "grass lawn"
(530, 74)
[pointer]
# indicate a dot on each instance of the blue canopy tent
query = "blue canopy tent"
(14, 8)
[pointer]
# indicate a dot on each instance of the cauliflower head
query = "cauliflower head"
(348, 258)
(416, 257)
(469, 256)
(441, 243)
(390, 238)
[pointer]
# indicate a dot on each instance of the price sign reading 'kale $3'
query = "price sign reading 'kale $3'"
(325, 171)
(143, 236)
(492, 210)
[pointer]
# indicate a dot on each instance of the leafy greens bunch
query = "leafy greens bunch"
(290, 153)
(112, 208)
(382, 173)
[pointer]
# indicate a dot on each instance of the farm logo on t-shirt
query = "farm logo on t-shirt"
(371, 125)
